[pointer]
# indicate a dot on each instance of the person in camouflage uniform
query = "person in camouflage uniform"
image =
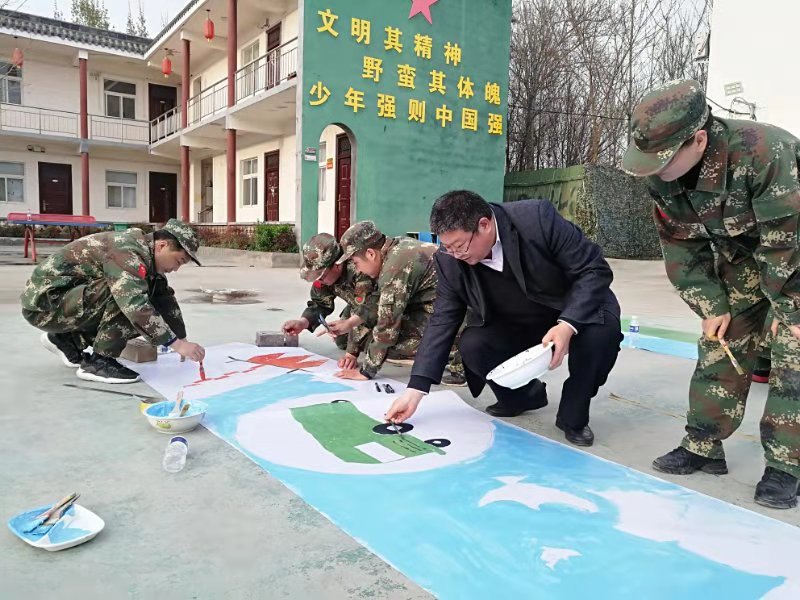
(331, 281)
(105, 289)
(406, 283)
(727, 212)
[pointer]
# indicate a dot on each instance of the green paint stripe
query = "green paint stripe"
(662, 332)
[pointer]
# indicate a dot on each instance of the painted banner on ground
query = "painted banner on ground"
(471, 507)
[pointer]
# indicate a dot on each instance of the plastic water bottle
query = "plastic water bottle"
(175, 454)
(29, 215)
(633, 332)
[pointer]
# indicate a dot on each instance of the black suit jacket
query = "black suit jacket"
(554, 264)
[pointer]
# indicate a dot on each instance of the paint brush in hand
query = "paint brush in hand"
(734, 362)
(396, 428)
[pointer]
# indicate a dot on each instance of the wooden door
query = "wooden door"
(55, 188)
(163, 196)
(161, 99)
(272, 186)
(343, 174)
(273, 58)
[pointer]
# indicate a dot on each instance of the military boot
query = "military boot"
(777, 489)
(682, 462)
(454, 379)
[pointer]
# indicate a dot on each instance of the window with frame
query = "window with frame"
(12, 182)
(120, 97)
(250, 182)
(120, 189)
(249, 75)
(10, 83)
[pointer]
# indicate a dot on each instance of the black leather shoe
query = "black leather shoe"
(777, 489)
(537, 398)
(682, 462)
(579, 437)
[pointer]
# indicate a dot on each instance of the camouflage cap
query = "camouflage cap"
(185, 235)
(664, 119)
(357, 238)
(319, 253)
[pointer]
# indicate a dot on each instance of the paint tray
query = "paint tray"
(78, 525)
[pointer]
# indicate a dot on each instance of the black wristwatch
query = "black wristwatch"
(364, 373)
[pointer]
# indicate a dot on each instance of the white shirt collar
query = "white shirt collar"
(496, 261)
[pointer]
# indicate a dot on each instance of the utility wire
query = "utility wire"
(729, 110)
(573, 114)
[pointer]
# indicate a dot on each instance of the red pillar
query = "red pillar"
(184, 123)
(84, 126)
(233, 52)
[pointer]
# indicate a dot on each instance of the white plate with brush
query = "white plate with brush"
(77, 526)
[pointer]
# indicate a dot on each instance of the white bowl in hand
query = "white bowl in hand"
(523, 368)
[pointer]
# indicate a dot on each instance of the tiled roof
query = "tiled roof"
(45, 26)
(177, 18)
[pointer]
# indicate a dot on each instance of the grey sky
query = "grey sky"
(154, 10)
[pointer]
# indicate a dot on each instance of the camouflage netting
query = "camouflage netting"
(612, 208)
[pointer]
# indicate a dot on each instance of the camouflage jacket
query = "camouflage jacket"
(126, 263)
(357, 290)
(746, 204)
(407, 289)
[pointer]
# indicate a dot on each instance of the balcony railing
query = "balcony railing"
(267, 71)
(39, 121)
(165, 125)
(33, 120)
(112, 129)
(209, 101)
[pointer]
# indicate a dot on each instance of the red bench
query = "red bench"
(74, 222)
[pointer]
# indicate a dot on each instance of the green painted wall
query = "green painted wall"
(402, 166)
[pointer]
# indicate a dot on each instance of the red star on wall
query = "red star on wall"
(422, 7)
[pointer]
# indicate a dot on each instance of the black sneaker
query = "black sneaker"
(106, 370)
(64, 347)
(777, 489)
(682, 462)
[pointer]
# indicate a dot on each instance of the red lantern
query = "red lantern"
(17, 57)
(166, 66)
(208, 28)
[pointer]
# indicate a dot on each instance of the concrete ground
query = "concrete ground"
(223, 528)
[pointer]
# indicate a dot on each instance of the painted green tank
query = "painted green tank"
(350, 435)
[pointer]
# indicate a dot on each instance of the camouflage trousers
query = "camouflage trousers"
(411, 330)
(717, 393)
(90, 314)
(355, 341)
(764, 360)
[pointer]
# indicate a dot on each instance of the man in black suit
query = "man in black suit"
(526, 276)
